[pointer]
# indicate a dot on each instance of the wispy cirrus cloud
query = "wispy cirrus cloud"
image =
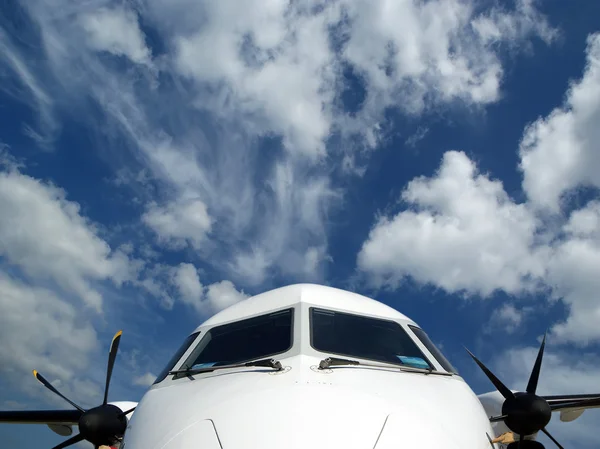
(206, 95)
(219, 117)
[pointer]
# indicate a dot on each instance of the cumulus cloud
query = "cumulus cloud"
(508, 318)
(278, 63)
(460, 230)
(464, 234)
(221, 295)
(44, 234)
(116, 30)
(179, 222)
(187, 281)
(58, 341)
(206, 300)
(573, 272)
(560, 152)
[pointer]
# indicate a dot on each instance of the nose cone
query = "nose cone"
(304, 408)
(300, 417)
(416, 430)
(201, 434)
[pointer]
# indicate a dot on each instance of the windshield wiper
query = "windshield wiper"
(333, 361)
(266, 363)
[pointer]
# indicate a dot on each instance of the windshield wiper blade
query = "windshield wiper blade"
(266, 363)
(334, 361)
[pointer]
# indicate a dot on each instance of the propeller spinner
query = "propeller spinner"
(101, 425)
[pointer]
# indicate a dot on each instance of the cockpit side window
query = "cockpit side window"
(421, 335)
(171, 363)
(364, 337)
(242, 341)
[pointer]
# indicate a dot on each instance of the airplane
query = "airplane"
(311, 366)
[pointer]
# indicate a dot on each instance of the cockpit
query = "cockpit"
(312, 330)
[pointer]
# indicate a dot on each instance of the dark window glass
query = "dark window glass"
(364, 337)
(245, 340)
(421, 335)
(171, 364)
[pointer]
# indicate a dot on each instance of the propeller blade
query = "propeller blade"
(112, 355)
(127, 412)
(41, 417)
(592, 402)
(76, 439)
(47, 384)
(497, 383)
(535, 373)
(552, 438)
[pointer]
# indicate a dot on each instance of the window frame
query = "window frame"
(417, 342)
(440, 357)
(193, 355)
(183, 348)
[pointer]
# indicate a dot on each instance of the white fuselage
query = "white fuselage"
(303, 407)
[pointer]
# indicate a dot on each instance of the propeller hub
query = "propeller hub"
(101, 425)
(526, 413)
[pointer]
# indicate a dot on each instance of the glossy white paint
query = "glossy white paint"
(349, 407)
(303, 407)
(318, 295)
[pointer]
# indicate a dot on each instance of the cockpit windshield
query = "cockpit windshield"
(245, 340)
(364, 337)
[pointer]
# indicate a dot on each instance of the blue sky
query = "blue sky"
(162, 160)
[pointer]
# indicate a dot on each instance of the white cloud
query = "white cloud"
(206, 300)
(283, 78)
(417, 55)
(231, 73)
(145, 380)
(279, 63)
(116, 30)
(464, 233)
(221, 295)
(179, 222)
(35, 93)
(560, 152)
(508, 317)
(185, 277)
(44, 234)
(573, 272)
(500, 24)
(58, 341)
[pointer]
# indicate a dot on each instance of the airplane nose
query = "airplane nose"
(414, 430)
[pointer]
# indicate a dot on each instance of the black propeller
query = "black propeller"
(101, 425)
(526, 413)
